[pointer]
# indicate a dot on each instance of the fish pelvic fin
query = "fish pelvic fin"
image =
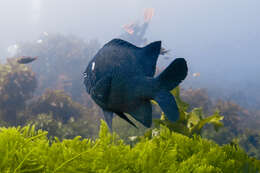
(173, 75)
(108, 116)
(168, 104)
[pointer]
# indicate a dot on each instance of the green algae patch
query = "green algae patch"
(24, 150)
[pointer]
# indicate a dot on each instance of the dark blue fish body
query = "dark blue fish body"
(120, 80)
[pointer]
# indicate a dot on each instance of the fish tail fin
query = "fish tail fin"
(173, 75)
(168, 104)
(170, 78)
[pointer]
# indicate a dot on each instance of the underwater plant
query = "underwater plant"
(29, 150)
(192, 122)
(59, 104)
(17, 85)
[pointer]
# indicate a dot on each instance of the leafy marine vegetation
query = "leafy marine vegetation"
(190, 122)
(238, 128)
(57, 113)
(17, 84)
(54, 110)
(27, 150)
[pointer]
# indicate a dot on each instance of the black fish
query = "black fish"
(26, 59)
(120, 80)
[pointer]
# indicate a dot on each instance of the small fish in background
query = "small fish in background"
(120, 79)
(26, 59)
(196, 74)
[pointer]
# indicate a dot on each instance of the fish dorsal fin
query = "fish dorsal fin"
(149, 56)
(120, 43)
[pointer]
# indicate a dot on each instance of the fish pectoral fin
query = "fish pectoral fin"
(102, 89)
(168, 105)
(123, 116)
(108, 116)
(143, 113)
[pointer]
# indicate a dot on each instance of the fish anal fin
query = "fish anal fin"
(168, 105)
(123, 116)
(143, 113)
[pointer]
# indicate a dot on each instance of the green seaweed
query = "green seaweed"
(28, 150)
(192, 122)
